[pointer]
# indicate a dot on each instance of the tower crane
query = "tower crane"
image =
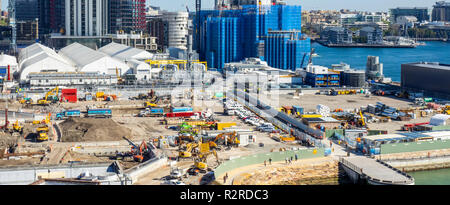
(12, 23)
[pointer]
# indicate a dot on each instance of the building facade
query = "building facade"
(337, 35)
(177, 29)
(86, 17)
(156, 28)
(372, 34)
(235, 34)
(421, 13)
(428, 77)
(441, 11)
(51, 17)
(27, 10)
(127, 15)
(286, 50)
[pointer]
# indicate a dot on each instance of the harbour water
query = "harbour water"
(392, 58)
(432, 177)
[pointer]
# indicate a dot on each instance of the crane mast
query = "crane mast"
(12, 23)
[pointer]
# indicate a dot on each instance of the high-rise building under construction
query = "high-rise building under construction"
(229, 35)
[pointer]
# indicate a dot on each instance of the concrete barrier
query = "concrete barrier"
(143, 169)
(22, 175)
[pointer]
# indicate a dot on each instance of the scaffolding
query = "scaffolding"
(180, 64)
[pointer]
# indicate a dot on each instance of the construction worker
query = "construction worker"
(296, 157)
(264, 162)
(270, 161)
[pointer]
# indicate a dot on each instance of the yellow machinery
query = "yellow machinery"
(158, 63)
(17, 127)
(149, 104)
(42, 133)
(231, 139)
(53, 92)
(447, 110)
(363, 122)
(200, 160)
(45, 121)
(287, 139)
(119, 79)
(100, 95)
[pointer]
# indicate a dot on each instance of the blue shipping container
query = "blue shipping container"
(181, 109)
(157, 110)
(99, 112)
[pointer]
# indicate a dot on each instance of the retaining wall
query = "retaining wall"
(143, 169)
(28, 175)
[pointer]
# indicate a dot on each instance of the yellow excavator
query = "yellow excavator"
(363, 122)
(447, 110)
(149, 104)
(42, 133)
(119, 79)
(188, 153)
(200, 160)
(230, 140)
(17, 127)
(53, 92)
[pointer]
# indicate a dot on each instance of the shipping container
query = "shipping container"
(182, 109)
(298, 109)
(222, 125)
(69, 95)
(180, 114)
(312, 116)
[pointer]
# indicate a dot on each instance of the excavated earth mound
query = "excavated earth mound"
(92, 129)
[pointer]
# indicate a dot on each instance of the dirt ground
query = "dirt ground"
(89, 129)
(310, 101)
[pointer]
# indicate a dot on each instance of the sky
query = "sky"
(361, 5)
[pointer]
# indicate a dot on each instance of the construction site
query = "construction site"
(132, 133)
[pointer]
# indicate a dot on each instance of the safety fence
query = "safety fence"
(260, 158)
(414, 146)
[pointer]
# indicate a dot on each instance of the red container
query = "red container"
(69, 95)
(180, 114)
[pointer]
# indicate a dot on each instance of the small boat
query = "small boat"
(315, 55)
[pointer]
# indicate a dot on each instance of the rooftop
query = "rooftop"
(434, 65)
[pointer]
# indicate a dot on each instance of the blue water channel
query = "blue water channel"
(392, 58)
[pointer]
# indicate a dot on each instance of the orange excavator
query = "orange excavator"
(139, 153)
(231, 136)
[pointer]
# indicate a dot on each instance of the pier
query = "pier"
(374, 172)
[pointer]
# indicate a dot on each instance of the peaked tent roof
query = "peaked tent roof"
(81, 55)
(125, 52)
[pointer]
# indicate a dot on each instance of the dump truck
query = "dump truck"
(148, 112)
(68, 114)
(42, 133)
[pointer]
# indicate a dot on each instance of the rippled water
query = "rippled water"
(392, 58)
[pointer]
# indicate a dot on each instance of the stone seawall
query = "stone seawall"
(418, 161)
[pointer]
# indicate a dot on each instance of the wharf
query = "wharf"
(374, 171)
